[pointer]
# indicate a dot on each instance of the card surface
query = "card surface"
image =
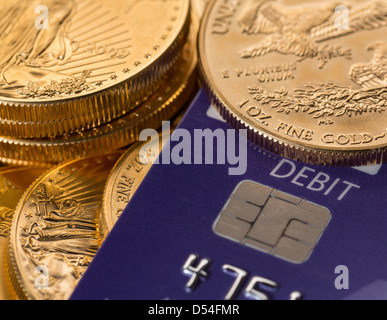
(269, 228)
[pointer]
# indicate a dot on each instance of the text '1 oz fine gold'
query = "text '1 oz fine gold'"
(14, 181)
(308, 81)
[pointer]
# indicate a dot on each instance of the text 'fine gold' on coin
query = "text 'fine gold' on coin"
(308, 81)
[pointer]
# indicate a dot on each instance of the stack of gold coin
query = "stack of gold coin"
(81, 79)
(76, 90)
(81, 84)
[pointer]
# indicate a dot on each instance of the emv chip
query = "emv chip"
(271, 221)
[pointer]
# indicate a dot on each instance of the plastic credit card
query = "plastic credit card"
(281, 230)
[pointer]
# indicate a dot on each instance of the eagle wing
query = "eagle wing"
(369, 17)
(262, 17)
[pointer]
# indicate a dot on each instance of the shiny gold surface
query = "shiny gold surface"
(101, 73)
(14, 181)
(130, 171)
(125, 178)
(122, 184)
(96, 61)
(303, 85)
(54, 228)
(163, 105)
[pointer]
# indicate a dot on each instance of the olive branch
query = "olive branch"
(324, 100)
(66, 87)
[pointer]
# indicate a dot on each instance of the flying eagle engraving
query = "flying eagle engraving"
(373, 74)
(298, 31)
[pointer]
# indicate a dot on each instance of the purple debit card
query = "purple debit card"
(227, 220)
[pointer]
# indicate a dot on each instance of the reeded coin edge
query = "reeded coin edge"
(14, 279)
(103, 225)
(287, 149)
(29, 120)
(25, 151)
(294, 151)
(178, 98)
(8, 277)
(291, 150)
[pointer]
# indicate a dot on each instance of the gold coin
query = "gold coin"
(81, 63)
(126, 177)
(124, 180)
(308, 80)
(53, 236)
(163, 105)
(14, 181)
(130, 171)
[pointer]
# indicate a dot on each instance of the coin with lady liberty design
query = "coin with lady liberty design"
(164, 104)
(306, 79)
(14, 181)
(129, 172)
(53, 236)
(68, 65)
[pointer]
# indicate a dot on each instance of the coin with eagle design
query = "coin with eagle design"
(307, 80)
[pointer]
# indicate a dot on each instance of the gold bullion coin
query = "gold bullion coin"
(127, 176)
(129, 172)
(53, 235)
(163, 105)
(14, 181)
(123, 182)
(307, 79)
(68, 65)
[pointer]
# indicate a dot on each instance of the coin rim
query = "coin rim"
(15, 277)
(78, 115)
(29, 151)
(267, 139)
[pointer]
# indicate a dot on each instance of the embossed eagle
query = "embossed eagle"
(374, 73)
(298, 31)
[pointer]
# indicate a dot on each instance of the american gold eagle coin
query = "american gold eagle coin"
(306, 79)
